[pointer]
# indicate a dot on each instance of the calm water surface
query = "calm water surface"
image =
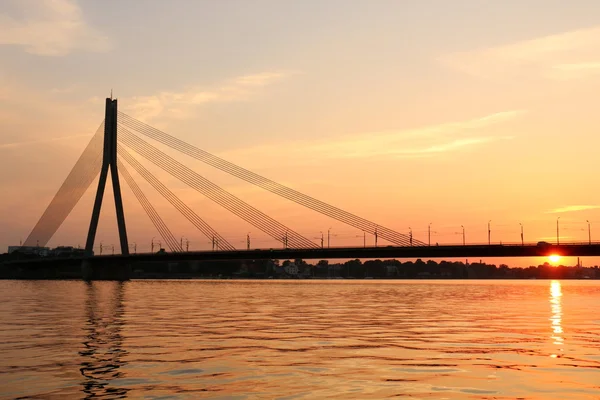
(300, 339)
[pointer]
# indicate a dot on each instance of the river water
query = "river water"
(300, 339)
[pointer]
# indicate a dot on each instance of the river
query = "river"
(300, 339)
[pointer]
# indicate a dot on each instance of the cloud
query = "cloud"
(571, 209)
(421, 142)
(50, 28)
(568, 55)
(181, 104)
(575, 71)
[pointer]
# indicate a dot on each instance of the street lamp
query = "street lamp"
(113, 249)
(429, 233)
(328, 236)
(321, 232)
(248, 241)
(489, 233)
(589, 232)
(364, 239)
(522, 243)
(134, 248)
(152, 245)
(463, 229)
(410, 235)
(100, 248)
(557, 234)
(376, 236)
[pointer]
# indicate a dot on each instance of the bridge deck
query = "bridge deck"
(452, 251)
(388, 252)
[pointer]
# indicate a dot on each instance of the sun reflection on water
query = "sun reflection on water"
(556, 316)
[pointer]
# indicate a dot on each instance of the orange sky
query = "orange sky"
(394, 112)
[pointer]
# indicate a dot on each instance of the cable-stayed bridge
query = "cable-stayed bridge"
(112, 149)
(121, 139)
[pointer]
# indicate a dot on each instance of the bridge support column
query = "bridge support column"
(109, 160)
(105, 271)
(194, 266)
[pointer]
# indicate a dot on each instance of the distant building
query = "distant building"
(66, 251)
(292, 269)
(60, 251)
(31, 250)
(391, 270)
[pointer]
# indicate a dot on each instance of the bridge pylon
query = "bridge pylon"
(109, 160)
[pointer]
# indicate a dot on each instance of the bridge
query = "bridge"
(121, 140)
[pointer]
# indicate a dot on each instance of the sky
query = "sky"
(403, 112)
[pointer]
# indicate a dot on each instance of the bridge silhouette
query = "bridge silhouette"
(120, 137)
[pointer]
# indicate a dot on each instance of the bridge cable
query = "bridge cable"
(159, 224)
(267, 184)
(188, 213)
(81, 176)
(214, 192)
(221, 197)
(238, 207)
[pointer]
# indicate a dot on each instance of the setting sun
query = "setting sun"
(554, 258)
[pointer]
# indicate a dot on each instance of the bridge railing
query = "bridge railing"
(340, 247)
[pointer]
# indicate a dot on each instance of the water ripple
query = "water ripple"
(301, 339)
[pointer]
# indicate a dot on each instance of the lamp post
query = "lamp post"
(429, 234)
(557, 232)
(410, 235)
(589, 232)
(463, 229)
(522, 242)
(364, 239)
(248, 241)
(328, 237)
(113, 249)
(321, 239)
(376, 236)
(134, 248)
(152, 245)
(187, 245)
(100, 248)
(489, 233)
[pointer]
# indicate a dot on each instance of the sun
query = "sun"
(554, 258)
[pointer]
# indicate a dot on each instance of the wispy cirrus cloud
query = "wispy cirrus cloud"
(50, 28)
(182, 104)
(421, 142)
(572, 209)
(568, 55)
(575, 70)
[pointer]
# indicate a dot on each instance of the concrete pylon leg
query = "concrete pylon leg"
(109, 162)
(87, 272)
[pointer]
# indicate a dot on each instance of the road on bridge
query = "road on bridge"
(448, 251)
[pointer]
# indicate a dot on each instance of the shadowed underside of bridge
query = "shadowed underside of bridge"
(114, 147)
